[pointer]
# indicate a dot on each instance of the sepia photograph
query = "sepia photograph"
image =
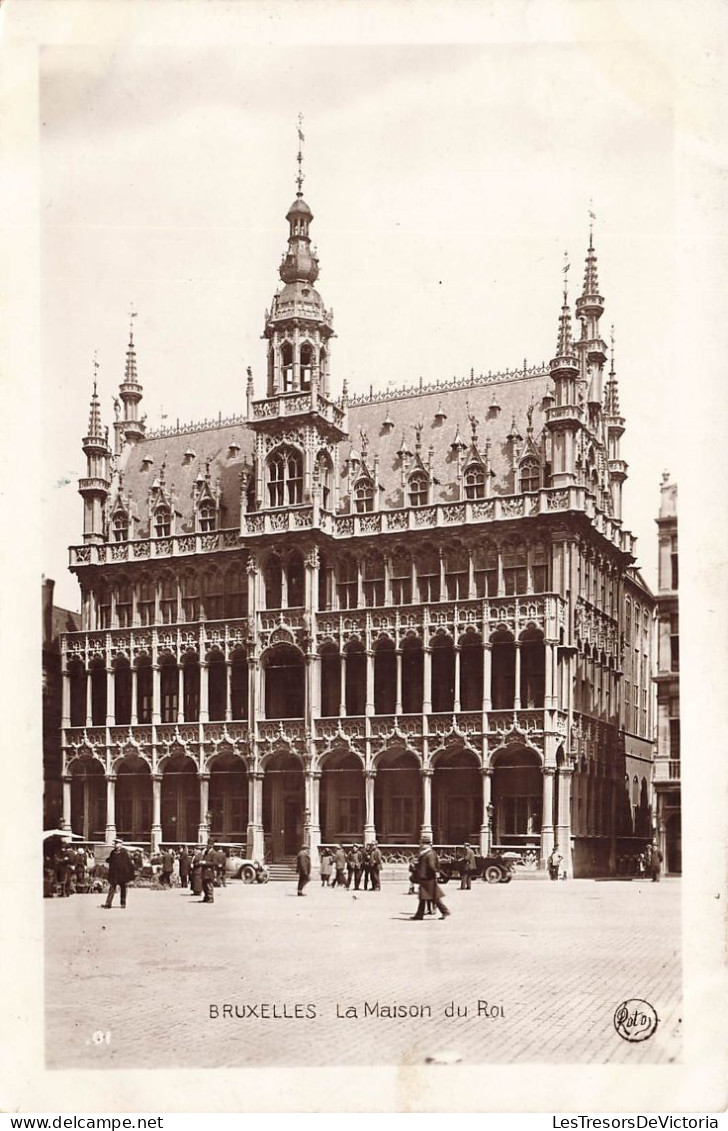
(360, 488)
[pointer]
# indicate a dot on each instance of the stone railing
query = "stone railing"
(190, 737)
(296, 403)
(176, 545)
(442, 386)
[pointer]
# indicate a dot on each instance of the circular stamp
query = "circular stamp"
(635, 1019)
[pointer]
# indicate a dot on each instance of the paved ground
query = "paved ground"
(552, 962)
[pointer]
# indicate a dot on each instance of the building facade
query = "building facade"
(346, 618)
(55, 622)
(667, 757)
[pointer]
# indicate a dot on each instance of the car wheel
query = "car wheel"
(247, 874)
(493, 874)
(506, 879)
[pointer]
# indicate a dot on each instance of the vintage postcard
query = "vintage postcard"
(374, 494)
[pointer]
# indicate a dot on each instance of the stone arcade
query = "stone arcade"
(342, 619)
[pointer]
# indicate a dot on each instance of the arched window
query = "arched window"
(284, 682)
(373, 580)
(190, 596)
(330, 681)
(122, 691)
(306, 365)
(145, 604)
(273, 578)
(207, 516)
(216, 686)
(412, 676)
(457, 564)
(418, 489)
(385, 677)
(485, 567)
(364, 495)
(355, 691)
(401, 577)
(540, 567)
(191, 687)
(285, 477)
(77, 673)
(428, 575)
(162, 522)
(121, 526)
(212, 595)
(239, 685)
(443, 674)
(471, 672)
(287, 367)
(103, 607)
(123, 604)
(474, 480)
(169, 687)
(324, 472)
(294, 576)
(348, 582)
(98, 692)
(144, 689)
(530, 474)
(236, 592)
(532, 668)
(514, 568)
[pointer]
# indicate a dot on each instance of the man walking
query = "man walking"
(184, 866)
(303, 868)
(366, 866)
(340, 867)
(121, 873)
(220, 863)
(358, 860)
(165, 875)
(467, 867)
(426, 873)
(655, 863)
(554, 863)
(209, 861)
(375, 861)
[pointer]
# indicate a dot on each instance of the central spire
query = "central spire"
(300, 264)
(299, 158)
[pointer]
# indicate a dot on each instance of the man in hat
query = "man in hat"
(209, 862)
(121, 873)
(467, 867)
(426, 870)
(303, 868)
(375, 867)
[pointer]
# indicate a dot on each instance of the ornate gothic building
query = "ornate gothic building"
(344, 618)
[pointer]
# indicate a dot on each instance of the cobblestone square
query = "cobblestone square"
(526, 972)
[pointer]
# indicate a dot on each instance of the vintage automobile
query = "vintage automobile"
(241, 867)
(494, 869)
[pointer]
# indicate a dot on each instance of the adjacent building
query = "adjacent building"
(667, 757)
(338, 618)
(55, 622)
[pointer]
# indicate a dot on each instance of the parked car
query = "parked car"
(493, 869)
(239, 866)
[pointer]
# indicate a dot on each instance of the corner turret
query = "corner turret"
(94, 488)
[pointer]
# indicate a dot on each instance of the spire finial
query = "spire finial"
(592, 218)
(566, 268)
(132, 316)
(611, 350)
(299, 158)
(96, 369)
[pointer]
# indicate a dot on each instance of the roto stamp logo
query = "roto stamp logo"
(635, 1019)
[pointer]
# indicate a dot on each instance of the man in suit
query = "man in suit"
(209, 863)
(467, 867)
(165, 875)
(303, 868)
(121, 873)
(375, 864)
(426, 870)
(184, 866)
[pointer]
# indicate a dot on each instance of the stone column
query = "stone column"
(563, 828)
(487, 676)
(456, 700)
(204, 712)
(110, 697)
(256, 841)
(370, 683)
(66, 818)
(517, 688)
(156, 694)
(549, 665)
(203, 829)
(228, 691)
(134, 718)
(342, 686)
(370, 833)
(486, 832)
(156, 830)
(547, 815)
(426, 829)
(66, 700)
(180, 693)
(398, 693)
(427, 681)
(111, 809)
(312, 828)
(89, 697)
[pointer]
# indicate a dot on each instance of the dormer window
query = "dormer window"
(121, 526)
(418, 489)
(364, 496)
(474, 479)
(162, 522)
(530, 475)
(207, 516)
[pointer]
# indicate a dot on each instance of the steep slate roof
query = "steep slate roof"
(512, 393)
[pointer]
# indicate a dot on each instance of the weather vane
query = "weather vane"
(132, 316)
(565, 270)
(96, 368)
(299, 158)
(592, 218)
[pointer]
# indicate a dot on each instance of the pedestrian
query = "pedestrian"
(165, 874)
(303, 868)
(184, 866)
(121, 873)
(426, 871)
(366, 867)
(554, 862)
(63, 874)
(221, 866)
(350, 865)
(326, 861)
(209, 862)
(375, 865)
(358, 864)
(467, 867)
(340, 867)
(196, 873)
(655, 863)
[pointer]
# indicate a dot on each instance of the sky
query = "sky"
(446, 184)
